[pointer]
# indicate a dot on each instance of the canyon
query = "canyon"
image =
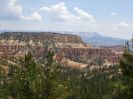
(69, 49)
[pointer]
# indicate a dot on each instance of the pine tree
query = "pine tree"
(126, 66)
(33, 80)
(125, 86)
(52, 86)
(22, 84)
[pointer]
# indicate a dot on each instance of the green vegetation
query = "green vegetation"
(124, 87)
(47, 79)
(32, 80)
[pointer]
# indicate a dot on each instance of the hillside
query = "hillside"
(66, 46)
(41, 36)
(96, 39)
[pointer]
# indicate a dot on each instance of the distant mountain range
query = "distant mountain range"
(92, 38)
(96, 39)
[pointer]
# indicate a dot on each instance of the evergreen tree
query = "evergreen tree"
(22, 83)
(125, 86)
(52, 86)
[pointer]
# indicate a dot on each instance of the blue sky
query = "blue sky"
(107, 17)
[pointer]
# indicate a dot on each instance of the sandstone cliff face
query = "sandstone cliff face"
(69, 47)
(42, 36)
(18, 43)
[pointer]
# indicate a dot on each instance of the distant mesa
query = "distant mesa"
(96, 39)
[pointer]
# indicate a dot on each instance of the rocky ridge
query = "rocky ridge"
(68, 48)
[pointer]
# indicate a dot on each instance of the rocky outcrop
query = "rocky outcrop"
(42, 36)
(95, 55)
(66, 47)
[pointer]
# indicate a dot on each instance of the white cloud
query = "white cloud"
(60, 12)
(12, 10)
(45, 9)
(114, 14)
(84, 15)
(124, 25)
(34, 17)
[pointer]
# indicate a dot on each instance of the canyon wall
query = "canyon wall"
(66, 46)
(42, 36)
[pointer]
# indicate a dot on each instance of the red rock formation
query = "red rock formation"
(68, 47)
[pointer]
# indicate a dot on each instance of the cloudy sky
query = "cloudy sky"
(108, 17)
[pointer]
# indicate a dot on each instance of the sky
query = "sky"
(108, 17)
